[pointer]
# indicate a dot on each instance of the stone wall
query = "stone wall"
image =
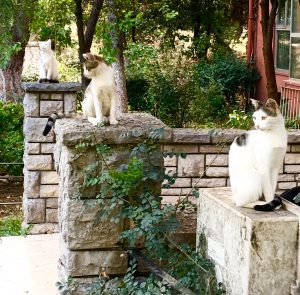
(40, 178)
(205, 164)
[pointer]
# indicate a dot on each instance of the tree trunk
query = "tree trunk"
(10, 77)
(118, 65)
(85, 37)
(267, 24)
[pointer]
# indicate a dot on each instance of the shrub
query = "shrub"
(232, 74)
(11, 137)
(181, 94)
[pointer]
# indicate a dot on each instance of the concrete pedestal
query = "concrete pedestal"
(254, 252)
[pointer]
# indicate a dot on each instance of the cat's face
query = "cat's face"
(45, 45)
(92, 65)
(266, 114)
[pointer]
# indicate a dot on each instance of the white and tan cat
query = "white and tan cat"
(256, 157)
(99, 104)
(48, 64)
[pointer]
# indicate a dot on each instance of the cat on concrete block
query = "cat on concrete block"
(48, 64)
(100, 99)
(256, 157)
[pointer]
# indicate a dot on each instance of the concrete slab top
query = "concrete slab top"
(223, 196)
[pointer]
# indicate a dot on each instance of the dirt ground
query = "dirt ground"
(11, 191)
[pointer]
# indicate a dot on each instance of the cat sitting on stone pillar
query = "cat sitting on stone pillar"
(48, 64)
(256, 157)
(100, 100)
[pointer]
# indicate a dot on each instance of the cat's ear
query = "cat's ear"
(271, 104)
(257, 104)
(88, 56)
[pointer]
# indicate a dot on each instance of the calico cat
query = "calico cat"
(99, 104)
(48, 64)
(255, 159)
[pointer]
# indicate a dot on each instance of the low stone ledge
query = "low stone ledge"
(51, 87)
(189, 135)
(131, 128)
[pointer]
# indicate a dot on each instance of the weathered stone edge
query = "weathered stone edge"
(51, 87)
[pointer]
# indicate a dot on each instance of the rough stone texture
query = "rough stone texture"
(254, 252)
(55, 87)
(183, 148)
(292, 159)
(80, 228)
(49, 177)
(49, 191)
(32, 148)
(52, 203)
(34, 210)
(188, 135)
(52, 215)
(42, 228)
(89, 262)
(210, 182)
(31, 105)
(69, 102)
(31, 184)
(49, 107)
(40, 181)
(191, 165)
(217, 172)
(216, 160)
(136, 126)
(33, 130)
(47, 148)
(89, 245)
(38, 162)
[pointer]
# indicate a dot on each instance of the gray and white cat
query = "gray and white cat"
(99, 104)
(256, 157)
(48, 64)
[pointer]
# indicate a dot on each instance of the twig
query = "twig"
(161, 273)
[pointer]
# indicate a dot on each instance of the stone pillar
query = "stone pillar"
(89, 246)
(40, 178)
(254, 252)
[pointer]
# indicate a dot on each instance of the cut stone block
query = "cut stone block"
(49, 177)
(32, 148)
(92, 262)
(34, 210)
(81, 229)
(31, 105)
(31, 184)
(33, 130)
(254, 252)
(52, 215)
(38, 162)
(49, 191)
(69, 103)
(49, 107)
(47, 148)
(192, 165)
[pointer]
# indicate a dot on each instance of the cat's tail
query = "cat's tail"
(271, 206)
(51, 122)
